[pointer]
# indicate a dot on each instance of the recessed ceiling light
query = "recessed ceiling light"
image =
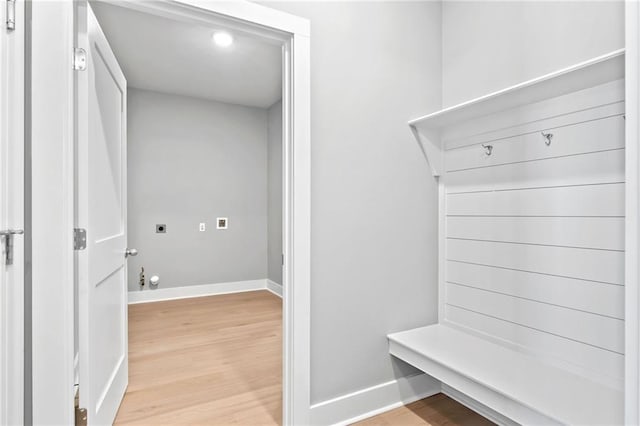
(222, 39)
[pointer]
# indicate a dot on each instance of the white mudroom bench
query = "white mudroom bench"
(531, 280)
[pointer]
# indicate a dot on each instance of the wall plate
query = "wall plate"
(222, 223)
(161, 228)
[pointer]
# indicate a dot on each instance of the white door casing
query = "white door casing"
(12, 217)
(101, 209)
(632, 213)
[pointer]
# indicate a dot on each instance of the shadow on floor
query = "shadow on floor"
(437, 410)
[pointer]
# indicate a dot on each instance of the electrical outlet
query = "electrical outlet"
(222, 223)
(203, 227)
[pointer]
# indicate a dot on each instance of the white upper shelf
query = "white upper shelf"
(580, 76)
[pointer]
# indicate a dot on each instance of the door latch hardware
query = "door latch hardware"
(79, 239)
(7, 236)
(11, 15)
(79, 59)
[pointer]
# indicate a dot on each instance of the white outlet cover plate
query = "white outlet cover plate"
(203, 227)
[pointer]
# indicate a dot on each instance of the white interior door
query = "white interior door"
(101, 210)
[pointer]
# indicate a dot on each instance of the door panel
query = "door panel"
(101, 209)
(107, 132)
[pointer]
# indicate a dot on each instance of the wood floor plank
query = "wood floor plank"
(206, 360)
(437, 410)
(218, 361)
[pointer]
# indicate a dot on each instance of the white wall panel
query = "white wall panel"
(596, 265)
(535, 234)
(584, 232)
(601, 363)
(584, 200)
(591, 136)
(538, 229)
(588, 296)
(596, 330)
(584, 169)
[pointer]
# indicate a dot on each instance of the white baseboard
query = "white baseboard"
(274, 288)
(365, 403)
(172, 293)
(479, 408)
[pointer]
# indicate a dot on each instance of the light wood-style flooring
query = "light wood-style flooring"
(206, 360)
(438, 410)
(218, 361)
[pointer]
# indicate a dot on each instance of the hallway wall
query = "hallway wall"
(190, 161)
(374, 65)
(490, 45)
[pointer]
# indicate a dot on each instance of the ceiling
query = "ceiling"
(170, 56)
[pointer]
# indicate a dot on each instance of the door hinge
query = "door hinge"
(81, 413)
(7, 236)
(11, 15)
(79, 239)
(79, 59)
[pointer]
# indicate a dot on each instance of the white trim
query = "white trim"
(479, 408)
(12, 191)
(274, 288)
(589, 73)
(369, 402)
(632, 205)
(442, 246)
(297, 230)
(251, 17)
(186, 292)
(52, 133)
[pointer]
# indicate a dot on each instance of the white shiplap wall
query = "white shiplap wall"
(534, 233)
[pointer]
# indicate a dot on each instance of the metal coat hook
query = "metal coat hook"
(548, 137)
(487, 149)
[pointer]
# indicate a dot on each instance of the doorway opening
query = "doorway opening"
(184, 165)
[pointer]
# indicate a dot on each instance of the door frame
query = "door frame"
(12, 190)
(632, 213)
(52, 124)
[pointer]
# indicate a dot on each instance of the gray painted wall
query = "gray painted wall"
(274, 194)
(489, 45)
(374, 202)
(190, 161)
